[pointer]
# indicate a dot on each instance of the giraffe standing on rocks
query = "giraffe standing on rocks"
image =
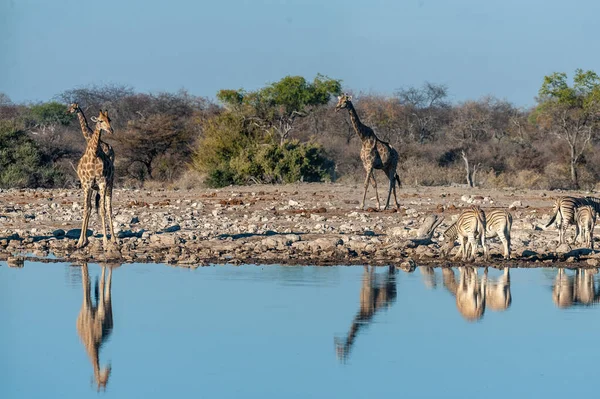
(95, 323)
(375, 153)
(87, 132)
(95, 169)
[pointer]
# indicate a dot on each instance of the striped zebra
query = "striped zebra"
(563, 214)
(585, 221)
(498, 224)
(468, 229)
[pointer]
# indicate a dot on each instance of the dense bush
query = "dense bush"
(21, 161)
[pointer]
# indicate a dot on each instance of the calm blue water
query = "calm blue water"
(297, 332)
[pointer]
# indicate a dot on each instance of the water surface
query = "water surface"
(295, 332)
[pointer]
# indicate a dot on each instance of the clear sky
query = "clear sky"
(500, 47)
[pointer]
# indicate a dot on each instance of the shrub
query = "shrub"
(21, 161)
(289, 162)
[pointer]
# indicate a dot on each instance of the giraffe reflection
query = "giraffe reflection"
(95, 322)
(578, 289)
(378, 291)
(473, 294)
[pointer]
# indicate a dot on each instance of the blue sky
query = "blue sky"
(477, 48)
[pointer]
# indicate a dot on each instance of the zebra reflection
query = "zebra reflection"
(473, 294)
(578, 289)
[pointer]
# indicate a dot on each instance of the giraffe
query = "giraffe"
(95, 323)
(374, 153)
(87, 131)
(95, 168)
(375, 294)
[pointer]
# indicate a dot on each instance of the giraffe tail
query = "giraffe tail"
(97, 202)
(398, 180)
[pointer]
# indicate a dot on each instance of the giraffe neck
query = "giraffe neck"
(94, 141)
(359, 128)
(85, 128)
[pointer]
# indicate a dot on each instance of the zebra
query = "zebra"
(468, 228)
(563, 213)
(498, 224)
(585, 221)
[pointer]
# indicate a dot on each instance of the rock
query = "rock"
(593, 262)
(325, 243)
(398, 231)
(293, 237)
(563, 248)
(292, 203)
(515, 205)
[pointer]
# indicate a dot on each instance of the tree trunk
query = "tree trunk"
(574, 177)
(468, 169)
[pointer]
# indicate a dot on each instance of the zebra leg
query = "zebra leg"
(462, 249)
(473, 244)
(485, 249)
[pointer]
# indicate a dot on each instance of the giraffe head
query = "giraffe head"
(104, 121)
(102, 378)
(344, 101)
(74, 107)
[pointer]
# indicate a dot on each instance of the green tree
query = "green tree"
(570, 112)
(21, 162)
(45, 117)
(276, 107)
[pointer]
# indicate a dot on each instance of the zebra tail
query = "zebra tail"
(552, 219)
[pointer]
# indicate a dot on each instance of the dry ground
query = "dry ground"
(316, 224)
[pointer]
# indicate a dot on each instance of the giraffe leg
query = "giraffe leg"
(87, 209)
(374, 182)
(85, 282)
(391, 173)
(102, 187)
(396, 181)
(109, 211)
(369, 171)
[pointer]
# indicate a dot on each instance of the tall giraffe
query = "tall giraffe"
(95, 323)
(375, 294)
(87, 131)
(374, 153)
(96, 169)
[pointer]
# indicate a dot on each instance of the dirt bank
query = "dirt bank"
(318, 224)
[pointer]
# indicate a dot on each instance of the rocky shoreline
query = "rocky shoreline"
(297, 224)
